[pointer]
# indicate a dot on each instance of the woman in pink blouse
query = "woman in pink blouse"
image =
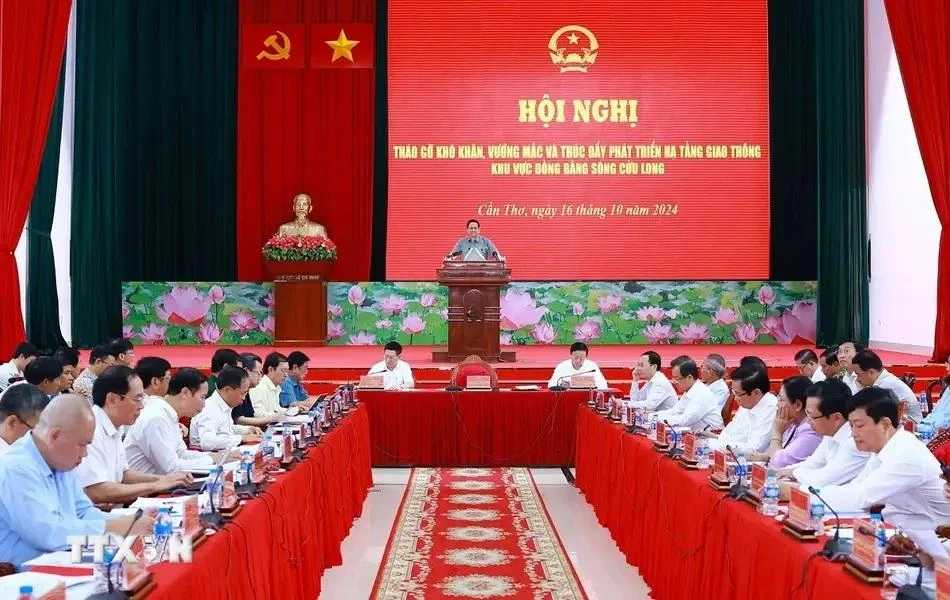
(793, 439)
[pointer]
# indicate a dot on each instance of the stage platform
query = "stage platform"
(333, 365)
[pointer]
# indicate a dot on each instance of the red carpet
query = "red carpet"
(474, 533)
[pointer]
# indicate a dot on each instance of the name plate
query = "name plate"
(582, 381)
(719, 464)
(371, 382)
(288, 447)
(799, 509)
(689, 447)
(478, 382)
(759, 474)
(229, 497)
(864, 546)
(661, 433)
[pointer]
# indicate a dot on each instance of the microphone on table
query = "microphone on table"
(675, 450)
(738, 489)
(112, 593)
(559, 387)
(835, 548)
(376, 372)
(213, 519)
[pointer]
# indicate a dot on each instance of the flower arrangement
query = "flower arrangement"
(299, 248)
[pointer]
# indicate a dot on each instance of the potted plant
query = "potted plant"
(290, 255)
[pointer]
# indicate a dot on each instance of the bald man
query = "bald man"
(41, 502)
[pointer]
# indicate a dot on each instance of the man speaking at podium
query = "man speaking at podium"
(474, 246)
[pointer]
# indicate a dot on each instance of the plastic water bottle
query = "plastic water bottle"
(267, 446)
(105, 571)
(216, 486)
(770, 494)
(817, 510)
(702, 453)
(623, 413)
(247, 467)
(162, 530)
(742, 466)
(923, 402)
(926, 432)
(26, 592)
(880, 539)
(653, 421)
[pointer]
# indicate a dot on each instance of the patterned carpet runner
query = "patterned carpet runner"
(474, 533)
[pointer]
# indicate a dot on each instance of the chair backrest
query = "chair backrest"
(473, 365)
(729, 409)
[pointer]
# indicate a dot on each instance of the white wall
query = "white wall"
(902, 221)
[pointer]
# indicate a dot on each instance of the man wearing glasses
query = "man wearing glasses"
(20, 408)
(117, 397)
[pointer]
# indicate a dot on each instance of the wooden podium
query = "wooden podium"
(474, 310)
(300, 301)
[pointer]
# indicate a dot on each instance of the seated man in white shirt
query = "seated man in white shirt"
(846, 353)
(870, 371)
(213, 428)
(100, 359)
(265, 397)
(46, 373)
(698, 409)
(657, 392)
(807, 362)
(20, 408)
(22, 356)
(117, 397)
(836, 460)
(396, 372)
(123, 351)
(154, 443)
(712, 373)
(155, 373)
(830, 367)
(751, 428)
(577, 364)
(902, 474)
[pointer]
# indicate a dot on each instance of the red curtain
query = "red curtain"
(306, 131)
(921, 32)
(32, 38)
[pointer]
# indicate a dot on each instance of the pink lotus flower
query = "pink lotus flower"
(183, 306)
(125, 313)
(269, 300)
(216, 294)
(692, 333)
(427, 300)
(519, 311)
(334, 330)
(153, 334)
(384, 324)
(413, 324)
(392, 304)
(651, 313)
(657, 333)
(577, 309)
(725, 316)
(445, 313)
(356, 296)
(268, 325)
(543, 333)
(672, 313)
(745, 334)
(773, 326)
(801, 323)
(242, 322)
(209, 333)
(766, 295)
(334, 310)
(505, 339)
(362, 339)
(587, 331)
(609, 303)
(127, 332)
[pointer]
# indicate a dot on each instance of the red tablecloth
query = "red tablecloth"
(473, 428)
(687, 539)
(280, 543)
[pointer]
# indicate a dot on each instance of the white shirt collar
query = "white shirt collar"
(765, 405)
(894, 445)
(102, 419)
(844, 432)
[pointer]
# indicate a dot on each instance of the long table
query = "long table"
(473, 428)
(280, 543)
(688, 540)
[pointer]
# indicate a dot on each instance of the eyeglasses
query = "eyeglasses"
(22, 420)
(739, 393)
(815, 418)
(139, 399)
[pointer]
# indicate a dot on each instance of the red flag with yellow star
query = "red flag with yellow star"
(342, 46)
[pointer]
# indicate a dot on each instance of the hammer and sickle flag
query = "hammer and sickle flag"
(273, 46)
(342, 46)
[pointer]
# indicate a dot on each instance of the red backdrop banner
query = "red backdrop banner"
(306, 131)
(273, 46)
(592, 141)
(341, 46)
(33, 36)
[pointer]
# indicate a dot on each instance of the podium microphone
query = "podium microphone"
(835, 548)
(559, 387)
(675, 451)
(112, 593)
(738, 489)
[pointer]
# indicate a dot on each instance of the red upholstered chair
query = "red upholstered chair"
(473, 365)
(940, 447)
(732, 405)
